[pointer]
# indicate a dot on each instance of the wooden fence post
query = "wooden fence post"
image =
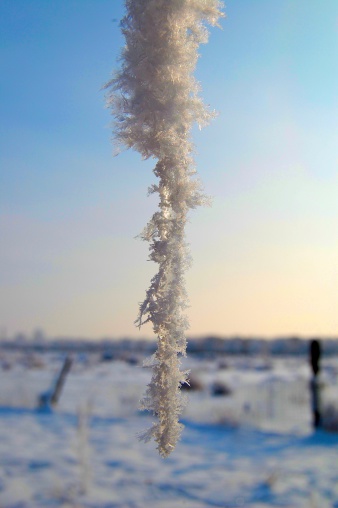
(51, 397)
(315, 352)
(61, 380)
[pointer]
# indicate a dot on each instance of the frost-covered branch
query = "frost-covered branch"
(154, 98)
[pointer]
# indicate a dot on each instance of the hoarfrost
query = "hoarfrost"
(154, 99)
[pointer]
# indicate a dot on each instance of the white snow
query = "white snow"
(252, 448)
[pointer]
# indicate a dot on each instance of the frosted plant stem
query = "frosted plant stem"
(154, 98)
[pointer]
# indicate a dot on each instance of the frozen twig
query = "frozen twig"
(154, 99)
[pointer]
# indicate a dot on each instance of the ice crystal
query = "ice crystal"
(154, 99)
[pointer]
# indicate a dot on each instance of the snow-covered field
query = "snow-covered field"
(250, 446)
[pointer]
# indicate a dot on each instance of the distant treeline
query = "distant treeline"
(203, 346)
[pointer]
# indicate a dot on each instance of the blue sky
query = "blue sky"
(265, 254)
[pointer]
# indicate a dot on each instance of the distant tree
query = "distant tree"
(38, 335)
(20, 337)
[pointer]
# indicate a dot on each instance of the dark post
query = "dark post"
(315, 351)
(61, 380)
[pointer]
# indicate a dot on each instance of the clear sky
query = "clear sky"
(266, 253)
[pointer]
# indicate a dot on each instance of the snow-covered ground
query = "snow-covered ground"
(253, 446)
